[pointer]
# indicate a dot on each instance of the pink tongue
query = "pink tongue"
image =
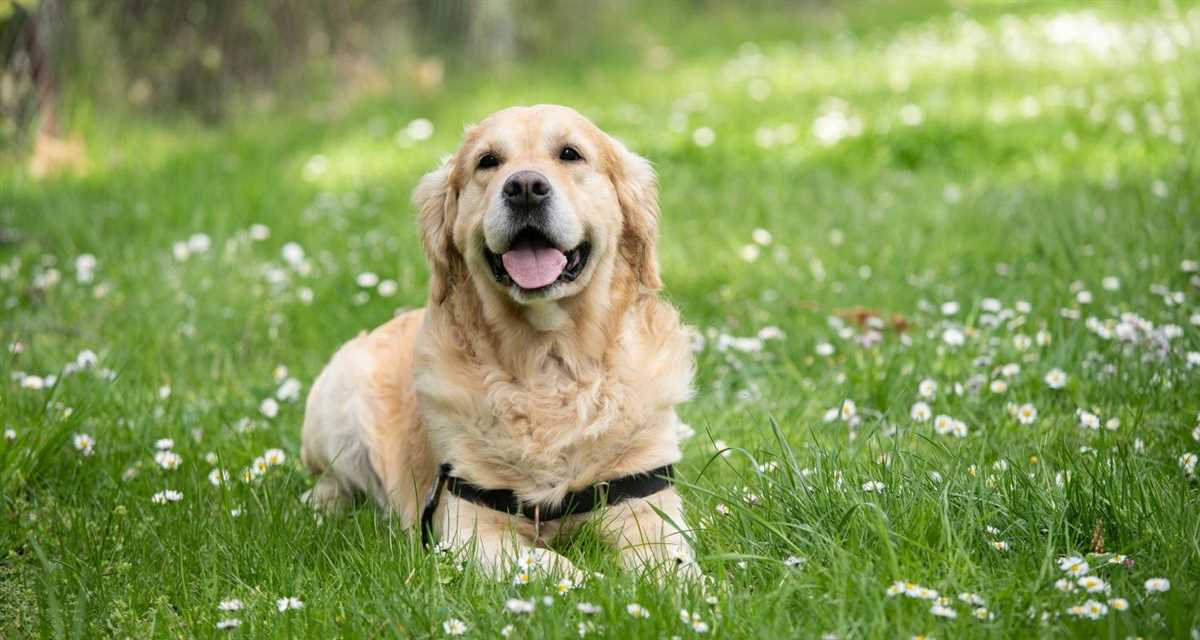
(532, 267)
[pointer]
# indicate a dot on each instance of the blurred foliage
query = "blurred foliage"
(205, 57)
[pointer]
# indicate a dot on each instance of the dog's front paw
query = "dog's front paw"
(326, 496)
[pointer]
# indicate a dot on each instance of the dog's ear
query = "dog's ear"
(637, 192)
(434, 200)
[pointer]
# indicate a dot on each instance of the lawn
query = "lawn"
(942, 259)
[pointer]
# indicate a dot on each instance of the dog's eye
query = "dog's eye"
(569, 154)
(488, 161)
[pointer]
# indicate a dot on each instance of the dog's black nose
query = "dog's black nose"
(526, 189)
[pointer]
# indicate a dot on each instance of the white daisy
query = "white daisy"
(165, 496)
(1027, 413)
(942, 611)
(288, 603)
(636, 610)
(517, 605)
(168, 460)
(1158, 585)
(943, 424)
(1074, 566)
(920, 412)
(454, 627)
(233, 604)
(849, 410)
(84, 444)
(587, 608)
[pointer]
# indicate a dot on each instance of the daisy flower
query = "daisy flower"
(564, 586)
(636, 610)
(232, 604)
(873, 486)
(998, 386)
(269, 407)
(1094, 610)
(274, 457)
(228, 623)
(959, 429)
(920, 412)
(981, 613)
(942, 611)
(517, 605)
(972, 599)
(1088, 420)
(927, 388)
(454, 627)
(1056, 379)
(168, 495)
(693, 620)
(1158, 585)
(1064, 585)
(366, 279)
(217, 477)
(164, 443)
(1188, 462)
(84, 444)
(1026, 413)
(587, 608)
(290, 602)
(1092, 584)
(849, 410)
(943, 424)
(1074, 566)
(168, 460)
(1000, 545)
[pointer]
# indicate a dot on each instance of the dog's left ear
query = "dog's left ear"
(435, 202)
(637, 192)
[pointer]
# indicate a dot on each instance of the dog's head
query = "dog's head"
(538, 204)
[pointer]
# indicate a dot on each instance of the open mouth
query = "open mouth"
(532, 263)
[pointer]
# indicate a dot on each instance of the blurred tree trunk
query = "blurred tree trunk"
(45, 29)
(492, 33)
(484, 29)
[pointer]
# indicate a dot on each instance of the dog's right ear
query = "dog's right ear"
(435, 202)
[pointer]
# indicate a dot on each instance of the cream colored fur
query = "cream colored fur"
(542, 396)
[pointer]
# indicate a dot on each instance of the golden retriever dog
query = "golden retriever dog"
(544, 363)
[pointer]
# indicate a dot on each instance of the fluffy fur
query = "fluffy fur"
(542, 394)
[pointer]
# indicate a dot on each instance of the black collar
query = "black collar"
(637, 485)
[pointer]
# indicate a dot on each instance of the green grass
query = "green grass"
(1038, 169)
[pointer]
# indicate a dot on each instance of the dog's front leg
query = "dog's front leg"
(648, 542)
(501, 544)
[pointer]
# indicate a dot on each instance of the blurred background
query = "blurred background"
(209, 59)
